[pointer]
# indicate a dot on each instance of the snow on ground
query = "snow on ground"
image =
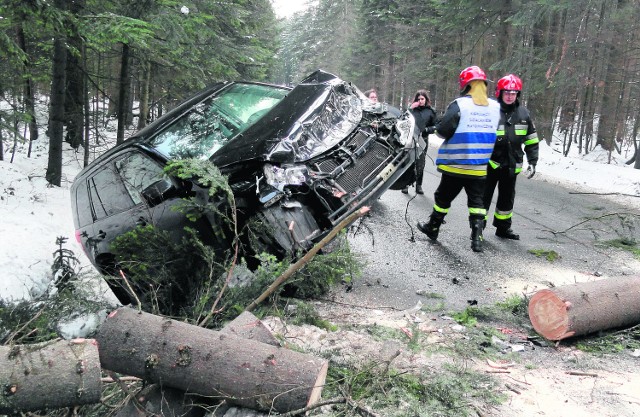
(33, 214)
(591, 172)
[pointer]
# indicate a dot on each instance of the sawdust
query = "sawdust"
(559, 381)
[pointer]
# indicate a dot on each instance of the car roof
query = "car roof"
(256, 141)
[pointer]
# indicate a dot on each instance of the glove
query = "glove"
(430, 130)
(531, 171)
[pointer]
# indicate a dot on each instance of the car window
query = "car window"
(83, 210)
(108, 194)
(138, 172)
(209, 125)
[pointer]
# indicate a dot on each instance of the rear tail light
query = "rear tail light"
(79, 240)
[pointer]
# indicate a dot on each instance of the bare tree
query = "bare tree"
(56, 113)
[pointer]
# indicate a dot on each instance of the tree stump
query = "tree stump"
(247, 373)
(49, 375)
(583, 308)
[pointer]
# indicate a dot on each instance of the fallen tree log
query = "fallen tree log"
(49, 375)
(248, 326)
(179, 355)
(171, 402)
(583, 308)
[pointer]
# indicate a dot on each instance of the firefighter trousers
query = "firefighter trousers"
(451, 185)
(505, 181)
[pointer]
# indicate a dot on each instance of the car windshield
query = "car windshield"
(210, 124)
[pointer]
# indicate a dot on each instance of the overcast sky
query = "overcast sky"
(286, 8)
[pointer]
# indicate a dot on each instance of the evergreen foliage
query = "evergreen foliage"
(167, 277)
(186, 278)
(27, 322)
(577, 59)
(453, 391)
(64, 265)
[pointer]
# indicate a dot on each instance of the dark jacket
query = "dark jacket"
(516, 129)
(425, 117)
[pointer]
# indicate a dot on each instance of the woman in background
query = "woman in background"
(425, 117)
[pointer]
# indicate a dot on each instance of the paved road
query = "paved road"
(401, 262)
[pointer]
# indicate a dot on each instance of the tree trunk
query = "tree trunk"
(176, 403)
(75, 75)
(144, 94)
(123, 93)
(87, 110)
(49, 375)
(56, 115)
(247, 373)
(29, 99)
(74, 98)
(609, 58)
(583, 308)
(248, 326)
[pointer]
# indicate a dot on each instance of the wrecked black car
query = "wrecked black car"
(297, 160)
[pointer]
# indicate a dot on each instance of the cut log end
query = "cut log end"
(586, 307)
(548, 315)
(316, 392)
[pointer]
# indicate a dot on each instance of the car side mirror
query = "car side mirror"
(159, 191)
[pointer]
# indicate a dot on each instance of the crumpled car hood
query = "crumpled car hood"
(315, 116)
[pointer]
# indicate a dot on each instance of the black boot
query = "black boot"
(476, 224)
(507, 233)
(432, 228)
(419, 189)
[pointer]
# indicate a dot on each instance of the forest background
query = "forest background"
(579, 59)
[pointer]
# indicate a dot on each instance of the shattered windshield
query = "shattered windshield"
(210, 124)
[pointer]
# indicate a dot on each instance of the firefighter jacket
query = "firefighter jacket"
(469, 133)
(516, 129)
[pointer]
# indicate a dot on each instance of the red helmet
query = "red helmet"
(469, 74)
(508, 82)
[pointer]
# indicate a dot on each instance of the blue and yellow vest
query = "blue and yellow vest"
(467, 152)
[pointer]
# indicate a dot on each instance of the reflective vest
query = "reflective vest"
(467, 152)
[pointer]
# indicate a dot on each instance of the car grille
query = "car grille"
(352, 177)
(366, 168)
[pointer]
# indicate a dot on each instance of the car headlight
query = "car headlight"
(406, 125)
(279, 177)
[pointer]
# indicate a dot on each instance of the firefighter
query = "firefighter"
(515, 131)
(468, 128)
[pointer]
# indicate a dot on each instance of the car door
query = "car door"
(138, 173)
(114, 212)
(115, 196)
